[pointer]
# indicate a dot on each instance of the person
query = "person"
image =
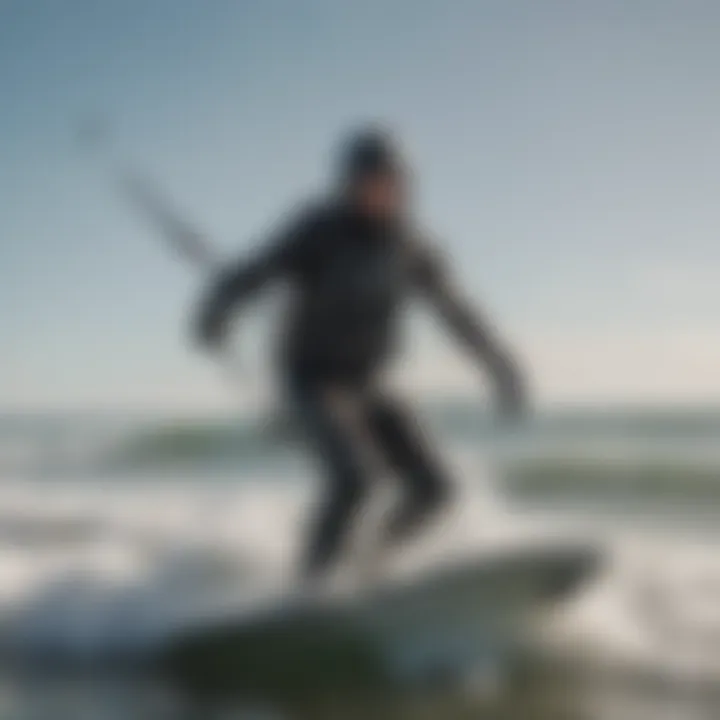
(352, 261)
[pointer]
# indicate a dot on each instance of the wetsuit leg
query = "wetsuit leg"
(408, 451)
(334, 422)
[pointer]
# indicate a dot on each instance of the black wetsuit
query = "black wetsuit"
(351, 277)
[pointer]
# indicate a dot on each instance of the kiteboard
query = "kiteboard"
(400, 628)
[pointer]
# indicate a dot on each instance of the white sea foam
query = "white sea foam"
(91, 569)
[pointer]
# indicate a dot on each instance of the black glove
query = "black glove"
(209, 330)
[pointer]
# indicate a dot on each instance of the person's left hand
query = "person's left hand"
(208, 330)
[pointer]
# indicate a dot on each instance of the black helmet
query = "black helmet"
(369, 151)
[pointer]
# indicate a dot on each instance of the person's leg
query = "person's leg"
(334, 423)
(408, 451)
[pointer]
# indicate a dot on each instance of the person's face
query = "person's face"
(378, 195)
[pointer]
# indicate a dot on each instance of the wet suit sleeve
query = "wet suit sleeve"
(467, 324)
(276, 259)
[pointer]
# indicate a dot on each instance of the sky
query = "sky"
(567, 154)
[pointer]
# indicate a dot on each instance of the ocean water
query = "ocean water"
(111, 525)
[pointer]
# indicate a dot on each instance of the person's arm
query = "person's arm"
(473, 330)
(274, 260)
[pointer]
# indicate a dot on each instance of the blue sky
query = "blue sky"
(567, 153)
